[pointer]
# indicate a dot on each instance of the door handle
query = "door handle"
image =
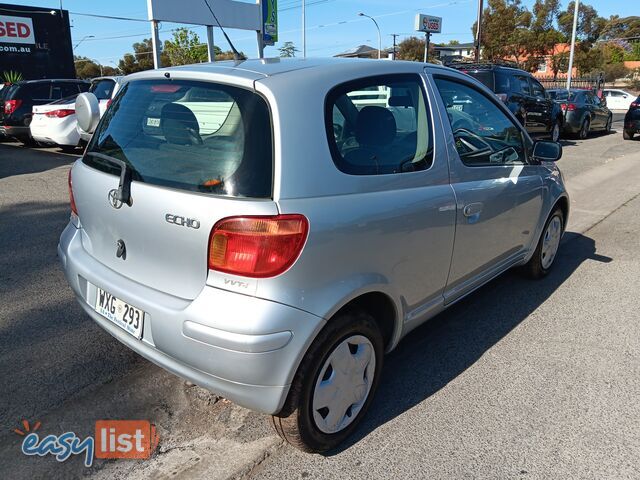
(472, 209)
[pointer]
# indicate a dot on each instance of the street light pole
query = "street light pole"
(379, 35)
(573, 43)
(304, 29)
(83, 39)
(479, 31)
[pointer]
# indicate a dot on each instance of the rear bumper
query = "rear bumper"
(632, 125)
(15, 132)
(251, 364)
(64, 134)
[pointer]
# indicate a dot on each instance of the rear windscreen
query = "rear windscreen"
(485, 77)
(196, 136)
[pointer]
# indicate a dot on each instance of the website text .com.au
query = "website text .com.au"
(12, 49)
(130, 439)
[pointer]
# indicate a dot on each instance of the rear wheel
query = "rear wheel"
(607, 128)
(555, 131)
(627, 135)
(547, 248)
(584, 129)
(334, 385)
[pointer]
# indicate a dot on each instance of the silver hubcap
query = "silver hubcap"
(551, 242)
(344, 384)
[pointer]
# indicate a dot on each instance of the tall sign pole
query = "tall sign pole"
(573, 43)
(304, 29)
(479, 31)
(428, 25)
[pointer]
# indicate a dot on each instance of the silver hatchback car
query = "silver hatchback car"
(269, 229)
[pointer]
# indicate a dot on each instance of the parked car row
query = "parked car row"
(552, 113)
(43, 111)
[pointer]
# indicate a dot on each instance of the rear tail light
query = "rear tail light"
(635, 105)
(502, 96)
(568, 107)
(11, 106)
(257, 247)
(60, 113)
(72, 201)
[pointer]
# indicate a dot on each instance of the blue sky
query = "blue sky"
(332, 25)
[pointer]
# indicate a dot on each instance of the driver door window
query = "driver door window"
(483, 134)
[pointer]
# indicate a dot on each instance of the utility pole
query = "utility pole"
(573, 43)
(479, 31)
(394, 35)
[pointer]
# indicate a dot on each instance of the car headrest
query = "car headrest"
(375, 126)
(179, 124)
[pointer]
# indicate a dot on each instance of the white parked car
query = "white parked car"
(104, 88)
(55, 123)
(619, 99)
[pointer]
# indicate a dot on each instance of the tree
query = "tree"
(505, 30)
(412, 48)
(624, 27)
(587, 59)
(559, 63)
(87, 68)
(590, 24)
(185, 48)
(614, 71)
(453, 43)
(141, 58)
(288, 50)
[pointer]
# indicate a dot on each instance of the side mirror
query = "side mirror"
(87, 111)
(547, 151)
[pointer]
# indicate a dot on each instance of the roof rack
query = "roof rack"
(482, 65)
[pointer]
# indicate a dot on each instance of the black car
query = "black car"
(524, 95)
(632, 120)
(584, 111)
(19, 99)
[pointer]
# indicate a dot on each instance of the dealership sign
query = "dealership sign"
(16, 30)
(428, 23)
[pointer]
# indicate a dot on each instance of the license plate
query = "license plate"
(460, 108)
(153, 122)
(126, 316)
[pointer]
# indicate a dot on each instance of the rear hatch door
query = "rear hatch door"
(197, 152)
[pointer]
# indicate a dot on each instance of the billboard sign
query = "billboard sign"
(269, 21)
(16, 30)
(230, 13)
(428, 23)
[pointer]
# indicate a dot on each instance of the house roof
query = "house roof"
(359, 50)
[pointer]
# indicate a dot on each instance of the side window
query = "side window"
(483, 134)
(69, 89)
(523, 82)
(102, 89)
(379, 125)
(537, 88)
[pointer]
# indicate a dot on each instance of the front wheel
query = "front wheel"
(627, 134)
(547, 248)
(334, 384)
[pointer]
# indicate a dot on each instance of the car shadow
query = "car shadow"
(31, 160)
(435, 354)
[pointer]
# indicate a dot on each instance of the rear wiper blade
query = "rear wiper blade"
(124, 188)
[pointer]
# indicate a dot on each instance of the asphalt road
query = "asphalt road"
(522, 379)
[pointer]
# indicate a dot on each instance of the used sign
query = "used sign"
(428, 24)
(16, 30)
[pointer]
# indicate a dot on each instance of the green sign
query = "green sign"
(269, 21)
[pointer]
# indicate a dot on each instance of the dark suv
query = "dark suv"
(524, 95)
(19, 99)
(632, 120)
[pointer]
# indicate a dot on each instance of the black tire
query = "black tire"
(556, 131)
(295, 423)
(607, 128)
(68, 148)
(534, 268)
(583, 134)
(627, 135)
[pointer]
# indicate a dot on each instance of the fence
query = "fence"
(588, 83)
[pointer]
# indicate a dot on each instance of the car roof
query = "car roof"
(258, 69)
(115, 78)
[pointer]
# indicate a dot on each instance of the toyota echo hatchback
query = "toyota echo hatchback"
(269, 229)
